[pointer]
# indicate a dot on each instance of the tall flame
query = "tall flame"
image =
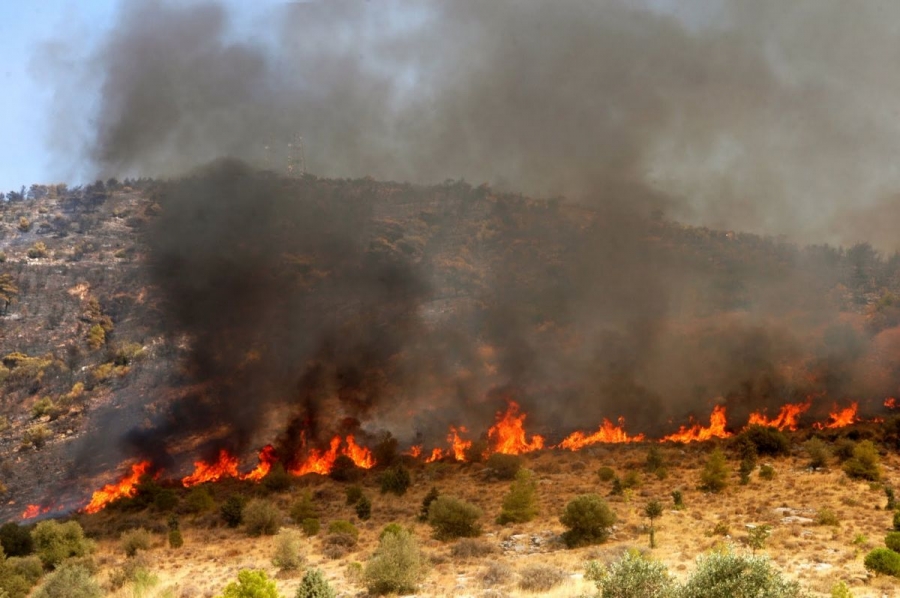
(840, 418)
(698, 433)
(225, 467)
(607, 434)
(436, 455)
(124, 488)
(787, 418)
(267, 459)
(508, 434)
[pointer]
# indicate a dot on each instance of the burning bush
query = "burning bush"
(588, 518)
(262, 517)
(397, 566)
(452, 518)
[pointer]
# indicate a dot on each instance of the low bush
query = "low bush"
(304, 508)
(817, 452)
(520, 503)
(606, 474)
(714, 477)
(277, 480)
(588, 518)
(503, 467)
(199, 500)
(398, 566)
(262, 517)
(345, 470)
(430, 497)
(677, 499)
(251, 584)
(892, 541)
(883, 560)
(288, 554)
(896, 520)
(314, 585)
(495, 574)
(864, 464)
(540, 578)
(767, 472)
(232, 510)
(395, 480)
(69, 581)
(452, 518)
(633, 576)
(766, 440)
(725, 573)
(471, 548)
(310, 526)
(826, 516)
(54, 542)
(16, 540)
(135, 540)
(354, 493)
(176, 540)
(364, 508)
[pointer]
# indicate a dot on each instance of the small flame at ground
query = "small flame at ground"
(125, 488)
(508, 434)
(607, 434)
(267, 459)
(890, 403)
(32, 511)
(322, 461)
(225, 467)
(458, 446)
(698, 433)
(787, 418)
(840, 418)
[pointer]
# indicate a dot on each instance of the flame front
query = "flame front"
(787, 418)
(698, 433)
(32, 511)
(607, 434)
(267, 459)
(322, 461)
(125, 488)
(508, 434)
(225, 467)
(890, 403)
(840, 418)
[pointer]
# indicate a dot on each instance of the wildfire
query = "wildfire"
(840, 417)
(607, 434)
(787, 418)
(125, 488)
(266, 460)
(458, 446)
(414, 451)
(321, 461)
(890, 403)
(698, 433)
(225, 467)
(508, 434)
(32, 511)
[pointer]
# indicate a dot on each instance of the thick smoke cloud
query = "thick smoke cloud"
(303, 302)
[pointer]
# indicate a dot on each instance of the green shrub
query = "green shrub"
(540, 578)
(354, 493)
(54, 542)
(520, 503)
(16, 540)
(725, 574)
(826, 516)
(96, 337)
(891, 499)
(398, 566)
(632, 479)
(766, 440)
(314, 585)
(199, 500)
(37, 251)
(633, 576)
(897, 520)
(452, 518)
(817, 452)
(606, 474)
(29, 567)
(18, 575)
(341, 526)
(69, 581)
(165, 500)
(677, 499)
(471, 548)
(36, 436)
(588, 518)
(46, 406)
(288, 554)
(262, 517)
(864, 464)
(176, 540)
(251, 584)
(757, 536)
(653, 510)
(892, 541)
(363, 508)
(495, 574)
(310, 526)
(841, 590)
(395, 480)
(504, 467)
(233, 510)
(344, 470)
(748, 464)
(843, 449)
(883, 560)
(654, 461)
(304, 508)
(135, 540)
(767, 472)
(277, 480)
(430, 497)
(714, 477)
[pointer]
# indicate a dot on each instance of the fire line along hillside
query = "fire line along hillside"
(234, 353)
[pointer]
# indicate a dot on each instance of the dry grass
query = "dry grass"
(816, 555)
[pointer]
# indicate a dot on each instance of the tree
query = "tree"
(653, 510)
(714, 477)
(520, 503)
(8, 291)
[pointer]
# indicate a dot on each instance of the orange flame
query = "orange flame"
(321, 461)
(267, 459)
(786, 419)
(436, 455)
(125, 488)
(698, 433)
(32, 511)
(458, 445)
(508, 434)
(890, 403)
(415, 451)
(608, 434)
(225, 467)
(840, 417)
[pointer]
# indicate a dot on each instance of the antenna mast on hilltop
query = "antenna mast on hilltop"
(296, 165)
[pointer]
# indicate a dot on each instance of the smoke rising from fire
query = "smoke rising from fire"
(304, 302)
